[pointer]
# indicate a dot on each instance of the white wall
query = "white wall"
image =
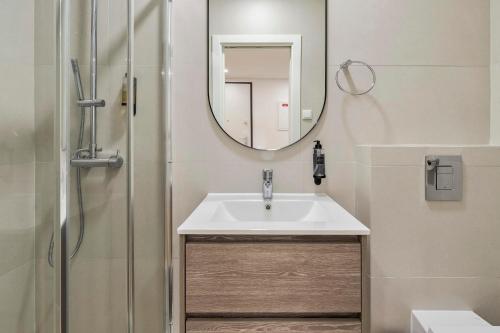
(267, 95)
(432, 61)
(288, 17)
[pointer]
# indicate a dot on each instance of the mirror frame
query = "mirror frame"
(323, 110)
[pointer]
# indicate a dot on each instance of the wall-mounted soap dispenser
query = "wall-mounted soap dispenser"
(318, 163)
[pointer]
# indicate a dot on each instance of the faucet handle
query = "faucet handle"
(267, 174)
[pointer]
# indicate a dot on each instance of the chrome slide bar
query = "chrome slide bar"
(93, 81)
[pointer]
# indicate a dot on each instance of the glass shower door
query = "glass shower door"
(112, 167)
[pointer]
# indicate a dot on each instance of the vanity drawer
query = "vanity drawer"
(273, 325)
(272, 278)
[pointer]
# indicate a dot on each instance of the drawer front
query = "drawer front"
(273, 278)
(273, 326)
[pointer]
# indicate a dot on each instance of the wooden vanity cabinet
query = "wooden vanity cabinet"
(272, 284)
(288, 325)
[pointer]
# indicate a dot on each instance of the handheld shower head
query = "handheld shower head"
(78, 79)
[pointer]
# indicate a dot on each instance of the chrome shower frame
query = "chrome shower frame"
(63, 155)
(167, 47)
(130, 169)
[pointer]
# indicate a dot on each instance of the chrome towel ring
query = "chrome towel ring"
(345, 66)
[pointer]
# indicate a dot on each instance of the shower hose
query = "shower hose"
(80, 198)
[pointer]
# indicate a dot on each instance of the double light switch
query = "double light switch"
(443, 178)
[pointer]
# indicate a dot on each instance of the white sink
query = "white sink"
(290, 214)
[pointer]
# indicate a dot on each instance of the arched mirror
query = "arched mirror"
(267, 69)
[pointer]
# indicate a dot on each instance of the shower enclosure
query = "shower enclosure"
(84, 173)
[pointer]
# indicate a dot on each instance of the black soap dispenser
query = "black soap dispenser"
(318, 163)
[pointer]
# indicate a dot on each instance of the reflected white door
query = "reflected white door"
(238, 111)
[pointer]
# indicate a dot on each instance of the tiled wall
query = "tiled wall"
(495, 71)
(429, 255)
(17, 168)
(432, 61)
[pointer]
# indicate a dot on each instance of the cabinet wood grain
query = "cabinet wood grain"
(272, 279)
(273, 326)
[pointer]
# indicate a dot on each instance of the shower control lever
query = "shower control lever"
(87, 103)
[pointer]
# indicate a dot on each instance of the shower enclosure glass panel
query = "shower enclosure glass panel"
(82, 229)
(115, 279)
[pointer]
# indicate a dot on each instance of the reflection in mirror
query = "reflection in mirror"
(267, 69)
(256, 83)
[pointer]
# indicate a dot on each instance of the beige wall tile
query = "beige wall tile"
(17, 105)
(17, 168)
(80, 20)
(17, 299)
(393, 299)
(189, 24)
(45, 32)
(149, 213)
(16, 180)
(339, 182)
(104, 200)
(16, 231)
(44, 296)
(428, 255)
(148, 31)
(414, 155)
(406, 32)
(17, 32)
(495, 31)
(103, 309)
(363, 193)
(150, 294)
(190, 186)
(495, 103)
(45, 108)
(412, 237)
(410, 105)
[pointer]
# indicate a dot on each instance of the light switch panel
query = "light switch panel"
(307, 115)
(443, 178)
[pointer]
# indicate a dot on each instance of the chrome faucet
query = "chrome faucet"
(267, 187)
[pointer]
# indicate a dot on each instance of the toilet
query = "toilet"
(470, 329)
(449, 322)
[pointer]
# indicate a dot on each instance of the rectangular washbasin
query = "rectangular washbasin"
(290, 214)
